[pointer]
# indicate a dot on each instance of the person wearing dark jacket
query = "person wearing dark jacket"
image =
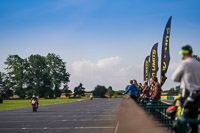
(156, 90)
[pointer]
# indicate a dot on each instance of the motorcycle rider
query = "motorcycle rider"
(91, 97)
(34, 98)
(188, 74)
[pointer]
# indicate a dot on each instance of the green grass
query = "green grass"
(13, 104)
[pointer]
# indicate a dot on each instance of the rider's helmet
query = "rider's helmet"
(33, 96)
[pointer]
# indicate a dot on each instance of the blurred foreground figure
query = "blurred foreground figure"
(188, 74)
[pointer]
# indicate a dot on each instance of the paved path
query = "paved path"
(134, 119)
(97, 116)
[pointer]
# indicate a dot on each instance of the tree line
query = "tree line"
(39, 75)
(99, 91)
(44, 76)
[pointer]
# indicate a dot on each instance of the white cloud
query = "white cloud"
(109, 72)
(109, 62)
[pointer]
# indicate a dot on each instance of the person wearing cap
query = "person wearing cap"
(188, 74)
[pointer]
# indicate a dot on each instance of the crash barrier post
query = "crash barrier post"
(182, 124)
(158, 109)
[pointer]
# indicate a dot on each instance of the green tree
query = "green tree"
(58, 73)
(5, 85)
(79, 90)
(37, 75)
(2, 85)
(196, 57)
(67, 91)
(110, 91)
(100, 91)
(39, 80)
(16, 74)
(119, 92)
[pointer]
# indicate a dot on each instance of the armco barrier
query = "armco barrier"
(170, 97)
(165, 98)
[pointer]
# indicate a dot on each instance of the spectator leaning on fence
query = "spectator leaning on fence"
(132, 89)
(146, 89)
(156, 90)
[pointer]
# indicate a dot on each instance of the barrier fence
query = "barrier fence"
(182, 124)
(158, 109)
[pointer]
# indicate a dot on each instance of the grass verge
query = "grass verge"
(13, 104)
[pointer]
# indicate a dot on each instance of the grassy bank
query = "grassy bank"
(13, 104)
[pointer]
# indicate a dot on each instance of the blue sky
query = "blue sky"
(107, 40)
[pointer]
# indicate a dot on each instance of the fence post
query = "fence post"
(181, 125)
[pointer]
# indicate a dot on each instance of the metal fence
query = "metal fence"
(158, 109)
(182, 124)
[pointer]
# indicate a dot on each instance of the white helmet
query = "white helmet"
(33, 96)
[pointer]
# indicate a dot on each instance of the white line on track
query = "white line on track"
(62, 120)
(62, 116)
(116, 128)
(93, 127)
(61, 128)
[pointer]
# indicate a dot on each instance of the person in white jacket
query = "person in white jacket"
(188, 74)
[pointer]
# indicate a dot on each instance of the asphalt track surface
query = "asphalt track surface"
(96, 116)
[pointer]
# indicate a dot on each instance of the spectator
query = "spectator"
(188, 74)
(146, 89)
(156, 90)
(132, 89)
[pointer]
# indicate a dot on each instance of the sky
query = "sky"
(103, 42)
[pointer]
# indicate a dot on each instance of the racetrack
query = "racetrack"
(98, 115)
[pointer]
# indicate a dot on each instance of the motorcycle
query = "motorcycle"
(91, 97)
(34, 105)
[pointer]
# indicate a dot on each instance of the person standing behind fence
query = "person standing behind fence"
(188, 74)
(138, 87)
(156, 90)
(146, 89)
(132, 89)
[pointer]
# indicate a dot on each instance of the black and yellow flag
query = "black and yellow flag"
(165, 56)
(153, 65)
(146, 69)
